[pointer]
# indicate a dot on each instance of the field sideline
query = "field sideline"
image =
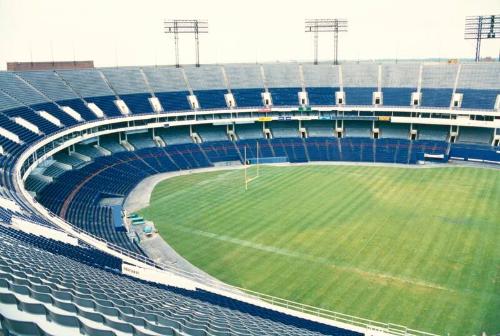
(417, 247)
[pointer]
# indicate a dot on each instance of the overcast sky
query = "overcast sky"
(123, 32)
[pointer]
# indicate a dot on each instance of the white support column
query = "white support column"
(302, 81)
(375, 131)
(340, 98)
(416, 98)
(496, 137)
(193, 102)
(341, 79)
(377, 98)
(454, 98)
(186, 81)
(379, 87)
(267, 100)
(145, 78)
(419, 83)
(264, 81)
(230, 101)
(105, 79)
(303, 98)
(226, 80)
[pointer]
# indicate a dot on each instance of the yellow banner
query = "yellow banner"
(265, 119)
(384, 118)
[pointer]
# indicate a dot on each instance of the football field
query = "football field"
(417, 247)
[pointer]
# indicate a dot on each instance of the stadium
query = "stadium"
(344, 197)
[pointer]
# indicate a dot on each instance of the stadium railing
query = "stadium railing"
(393, 329)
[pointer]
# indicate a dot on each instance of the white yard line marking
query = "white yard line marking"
(307, 257)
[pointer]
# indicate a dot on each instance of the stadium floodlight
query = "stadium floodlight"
(481, 27)
(177, 27)
(334, 26)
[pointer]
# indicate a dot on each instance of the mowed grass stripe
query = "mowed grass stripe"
(351, 291)
(273, 260)
(416, 247)
(344, 212)
(421, 262)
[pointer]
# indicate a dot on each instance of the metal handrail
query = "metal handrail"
(334, 315)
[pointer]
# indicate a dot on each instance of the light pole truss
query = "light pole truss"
(481, 27)
(194, 27)
(335, 26)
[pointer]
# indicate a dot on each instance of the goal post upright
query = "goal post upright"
(245, 167)
(247, 164)
(258, 165)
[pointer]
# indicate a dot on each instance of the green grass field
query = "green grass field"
(417, 247)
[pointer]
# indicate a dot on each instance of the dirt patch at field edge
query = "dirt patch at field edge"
(140, 196)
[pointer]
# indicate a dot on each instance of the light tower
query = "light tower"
(334, 26)
(177, 27)
(481, 27)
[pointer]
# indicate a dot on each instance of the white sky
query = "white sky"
(124, 32)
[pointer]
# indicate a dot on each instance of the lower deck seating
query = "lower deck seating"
(292, 148)
(435, 148)
(218, 151)
(471, 152)
(36, 183)
(114, 176)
